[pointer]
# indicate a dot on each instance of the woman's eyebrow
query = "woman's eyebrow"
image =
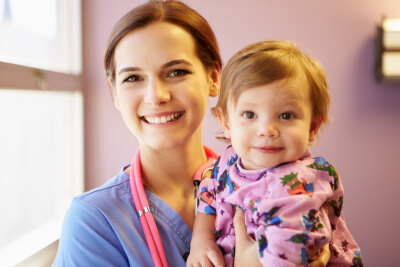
(128, 69)
(176, 62)
(166, 65)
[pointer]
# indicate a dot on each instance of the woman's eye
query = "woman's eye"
(249, 115)
(286, 116)
(177, 73)
(132, 78)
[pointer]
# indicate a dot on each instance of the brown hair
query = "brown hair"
(268, 61)
(173, 12)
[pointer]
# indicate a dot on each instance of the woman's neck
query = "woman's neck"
(163, 170)
(169, 175)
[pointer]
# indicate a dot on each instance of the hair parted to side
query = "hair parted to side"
(170, 11)
(268, 61)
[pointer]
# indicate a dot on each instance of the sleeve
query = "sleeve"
(206, 197)
(87, 239)
(343, 247)
(206, 193)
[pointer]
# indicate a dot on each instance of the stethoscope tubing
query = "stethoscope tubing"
(146, 218)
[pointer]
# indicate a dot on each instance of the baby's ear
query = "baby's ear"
(224, 121)
(314, 127)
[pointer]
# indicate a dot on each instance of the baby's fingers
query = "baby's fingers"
(216, 258)
(207, 260)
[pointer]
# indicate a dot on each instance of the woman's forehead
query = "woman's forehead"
(157, 43)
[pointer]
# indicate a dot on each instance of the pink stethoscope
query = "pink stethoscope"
(142, 206)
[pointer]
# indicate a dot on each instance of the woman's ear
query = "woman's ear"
(114, 92)
(314, 127)
(215, 76)
(224, 121)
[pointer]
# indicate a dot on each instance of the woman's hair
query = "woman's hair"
(173, 12)
(268, 61)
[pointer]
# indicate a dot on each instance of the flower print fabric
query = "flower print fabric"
(284, 210)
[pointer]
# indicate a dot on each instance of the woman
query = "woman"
(162, 63)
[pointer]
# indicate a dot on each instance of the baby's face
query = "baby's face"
(271, 124)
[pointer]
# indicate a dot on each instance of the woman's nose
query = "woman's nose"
(157, 93)
(268, 129)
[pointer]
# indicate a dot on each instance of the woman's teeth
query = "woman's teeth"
(162, 119)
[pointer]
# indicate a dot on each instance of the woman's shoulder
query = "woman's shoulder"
(99, 217)
(116, 186)
(108, 201)
(100, 209)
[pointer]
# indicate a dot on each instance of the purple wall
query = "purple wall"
(362, 140)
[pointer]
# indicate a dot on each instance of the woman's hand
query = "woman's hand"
(246, 249)
(323, 258)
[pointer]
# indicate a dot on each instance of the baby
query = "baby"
(273, 102)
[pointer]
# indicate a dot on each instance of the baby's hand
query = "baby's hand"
(206, 254)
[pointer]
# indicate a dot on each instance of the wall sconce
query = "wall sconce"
(387, 66)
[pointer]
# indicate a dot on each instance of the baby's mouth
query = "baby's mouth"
(162, 119)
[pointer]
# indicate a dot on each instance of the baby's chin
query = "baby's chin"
(251, 166)
(266, 164)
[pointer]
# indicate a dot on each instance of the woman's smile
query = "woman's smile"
(158, 119)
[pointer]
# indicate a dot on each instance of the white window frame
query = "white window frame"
(13, 76)
(61, 52)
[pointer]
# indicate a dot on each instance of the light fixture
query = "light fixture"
(388, 50)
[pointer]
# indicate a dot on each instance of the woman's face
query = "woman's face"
(161, 86)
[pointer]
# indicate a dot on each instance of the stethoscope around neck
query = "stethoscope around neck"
(149, 226)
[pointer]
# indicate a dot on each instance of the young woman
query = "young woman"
(162, 63)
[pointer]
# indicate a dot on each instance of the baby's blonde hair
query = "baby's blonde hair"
(268, 61)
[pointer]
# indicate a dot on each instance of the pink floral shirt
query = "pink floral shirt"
(284, 210)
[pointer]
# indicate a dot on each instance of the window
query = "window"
(41, 158)
(41, 118)
(43, 34)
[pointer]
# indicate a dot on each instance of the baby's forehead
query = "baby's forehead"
(293, 84)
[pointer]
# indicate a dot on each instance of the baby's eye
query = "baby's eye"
(286, 116)
(249, 115)
(177, 73)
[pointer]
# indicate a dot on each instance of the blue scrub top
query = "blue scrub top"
(102, 228)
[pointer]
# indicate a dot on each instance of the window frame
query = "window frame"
(13, 76)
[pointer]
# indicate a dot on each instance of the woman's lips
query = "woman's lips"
(162, 118)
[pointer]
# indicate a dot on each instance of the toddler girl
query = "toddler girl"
(273, 101)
